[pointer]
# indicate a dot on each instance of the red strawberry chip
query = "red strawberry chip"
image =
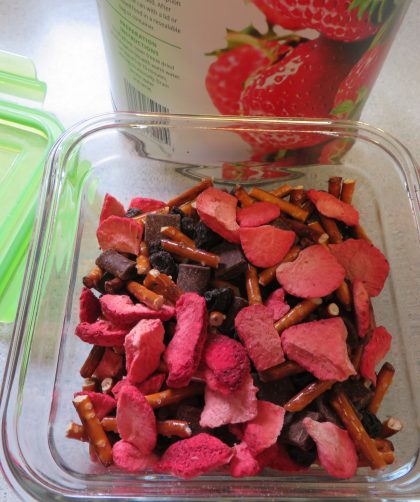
(320, 347)
(143, 348)
(102, 403)
(121, 311)
(183, 352)
(130, 459)
(314, 273)
(145, 204)
(195, 456)
(111, 207)
(336, 451)
(255, 328)
(90, 308)
(262, 431)
(277, 304)
(276, 457)
(227, 364)
(361, 307)
(328, 205)
(217, 210)
(362, 261)
(151, 385)
(111, 365)
(135, 419)
(376, 349)
(238, 407)
(121, 234)
(101, 333)
(257, 214)
(243, 463)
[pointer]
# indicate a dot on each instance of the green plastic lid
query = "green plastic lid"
(26, 136)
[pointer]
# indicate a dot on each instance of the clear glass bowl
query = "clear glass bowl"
(123, 154)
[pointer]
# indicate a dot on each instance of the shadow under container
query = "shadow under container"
(121, 154)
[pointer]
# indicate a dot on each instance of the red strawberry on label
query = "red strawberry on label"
(282, 17)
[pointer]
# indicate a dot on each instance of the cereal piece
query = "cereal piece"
(130, 459)
(258, 214)
(237, 305)
(243, 463)
(361, 307)
(145, 204)
(331, 207)
(121, 234)
(102, 333)
(116, 264)
(111, 365)
(102, 403)
(376, 349)
(111, 207)
(154, 222)
(193, 278)
(90, 308)
(232, 261)
(277, 304)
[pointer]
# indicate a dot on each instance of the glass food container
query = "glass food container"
(122, 154)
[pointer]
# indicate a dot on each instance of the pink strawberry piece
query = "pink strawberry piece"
(183, 352)
(151, 385)
(121, 234)
(277, 304)
(255, 328)
(319, 347)
(101, 333)
(90, 308)
(102, 403)
(227, 364)
(135, 419)
(266, 245)
(376, 349)
(145, 204)
(257, 214)
(111, 207)
(361, 307)
(262, 431)
(121, 311)
(238, 407)
(330, 206)
(362, 260)
(217, 210)
(111, 365)
(336, 451)
(130, 459)
(143, 348)
(314, 273)
(195, 456)
(276, 457)
(243, 463)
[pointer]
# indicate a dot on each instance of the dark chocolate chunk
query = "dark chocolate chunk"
(163, 261)
(154, 222)
(296, 434)
(133, 212)
(193, 278)
(219, 299)
(371, 423)
(116, 264)
(229, 323)
(302, 457)
(204, 237)
(327, 412)
(358, 394)
(232, 261)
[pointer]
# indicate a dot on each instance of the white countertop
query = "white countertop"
(64, 41)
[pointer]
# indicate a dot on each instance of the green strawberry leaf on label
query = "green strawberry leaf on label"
(344, 107)
(377, 10)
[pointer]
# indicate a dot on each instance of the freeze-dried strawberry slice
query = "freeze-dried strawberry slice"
(143, 348)
(121, 311)
(111, 207)
(227, 364)
(121, 234)
(328, 205)
(257, 214)
(129, 458)
(151, 385)
(266, 245)
(376, 349)
(362, 261)
(319, 347)
(255, 328)
(90, 308)
(336, 451)
(277, 304)
(135, 419)
(276, 457)
(111, 365)
(195, 456)
(262, 431)
(243, 463)
(217, 210)
(238, 407)
(183, 352)
(361, 307)
(314, 273)
(102, 403)
(101, 333)
(145, 204)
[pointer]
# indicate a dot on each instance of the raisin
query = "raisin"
(164, 262)
(176, 210)
(371, 423)
(188, 227)
(154, 247)
(133, 212)
(218, 299)
(204, 237)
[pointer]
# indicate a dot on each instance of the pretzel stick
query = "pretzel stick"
(344, 295)
(390, 427)
(389, 457)
(163, 285)
(90, 384)
(280, 371)
(347, 190)
(216, 318)
(144, 295)
(219, 283)
(297, 314)
(110, 424)
(243, 197)
(334, 186)
(332, 229)
(359, 233)
(198, 255)
(187, 208)
(142, 260)
(301, 229)
(316, 225)
(361, 439)
(191, 193)
(297, 195)
(93, 428)
(383, 382)
(114, 285)
(178, 428)
(106, 385)
(268, 274)
(331, 310)
(252, 286)
(76, 431)
(92, 361)
(173, 396)
(288, 208)
(177, 236)
(383, 445)
(282, 191)
(308, 394)
(91, 280)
